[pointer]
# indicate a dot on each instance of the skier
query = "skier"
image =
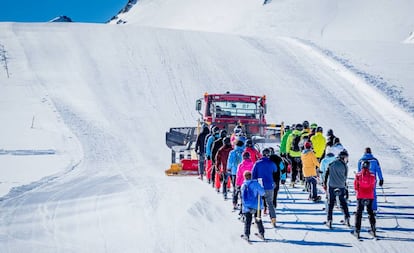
(235, 158)
(337, 147)
(335, 183)
(200, 149)
(318, 143)
(221, 164)
(214, 149)
(264, 169)
(294, 151)
(328, 159)
(287, 132)
(254, 153)
(364, 185)
(245, 165)
(375, 169)
(251, 191)
(309, 164)
(330, 138)
(214, 135)
(279, 176)
(234, 137)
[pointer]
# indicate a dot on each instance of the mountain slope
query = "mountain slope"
(320, 19)
(119, 88)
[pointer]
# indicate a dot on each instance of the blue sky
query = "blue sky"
(98, 11)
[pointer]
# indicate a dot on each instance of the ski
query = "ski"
(354, 234)
(374, 236)
(245, 238)
(328, 225)
(261, 237)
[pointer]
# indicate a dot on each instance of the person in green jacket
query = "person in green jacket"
(285, 136)
(294, 151)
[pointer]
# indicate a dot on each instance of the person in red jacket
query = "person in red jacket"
(364, 184)
(221, 165)
(254, 153)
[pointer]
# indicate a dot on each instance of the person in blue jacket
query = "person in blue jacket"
(235, 158)
(251, 193)
(375, 169)
(264, 169)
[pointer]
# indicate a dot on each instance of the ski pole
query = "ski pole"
(289, 193)
(258, 207)
(286, 191)
(260, 180)
(383, 193)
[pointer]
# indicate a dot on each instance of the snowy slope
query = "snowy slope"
(102, 97)
(328, 19)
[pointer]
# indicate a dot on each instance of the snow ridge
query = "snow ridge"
(392, 91)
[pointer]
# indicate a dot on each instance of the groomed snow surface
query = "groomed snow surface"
(85, 109)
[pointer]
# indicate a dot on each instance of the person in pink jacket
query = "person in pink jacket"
(245, 165)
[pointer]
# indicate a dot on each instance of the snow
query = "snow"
(86, 107)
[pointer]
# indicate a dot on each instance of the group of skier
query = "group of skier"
(232, 162)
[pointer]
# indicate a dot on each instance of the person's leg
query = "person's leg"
(358, 214)
(247, 223)
(295, 169)
(371, 216)
(314, 192)
(344, 204)
(331, 199)
(269, 200)
(201, 165)
(225, 180)
(275, 192)
(208, 170)
(259, 224)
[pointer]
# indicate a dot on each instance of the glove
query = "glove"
(282, 181)
(381, 182)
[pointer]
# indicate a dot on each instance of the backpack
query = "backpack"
(296, 143)
(247, 192)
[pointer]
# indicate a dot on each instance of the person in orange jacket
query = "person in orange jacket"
(309, 164)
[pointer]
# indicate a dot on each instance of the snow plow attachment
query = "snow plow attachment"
(181, 141)
(187, 167)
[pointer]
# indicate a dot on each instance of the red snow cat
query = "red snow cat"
(225, 111)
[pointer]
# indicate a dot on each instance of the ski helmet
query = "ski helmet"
(308, 145)
(246, 155)
(226, 141)
(330, 132)
(319, 129)
(266, 152)
(305, 124)
(299, 127)
(215, 129)
(223, 133)
(365, 165)
(313, 125)
(343, 154)
(249, 143)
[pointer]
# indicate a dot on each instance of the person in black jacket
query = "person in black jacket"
(200, 149)
(280, 175)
